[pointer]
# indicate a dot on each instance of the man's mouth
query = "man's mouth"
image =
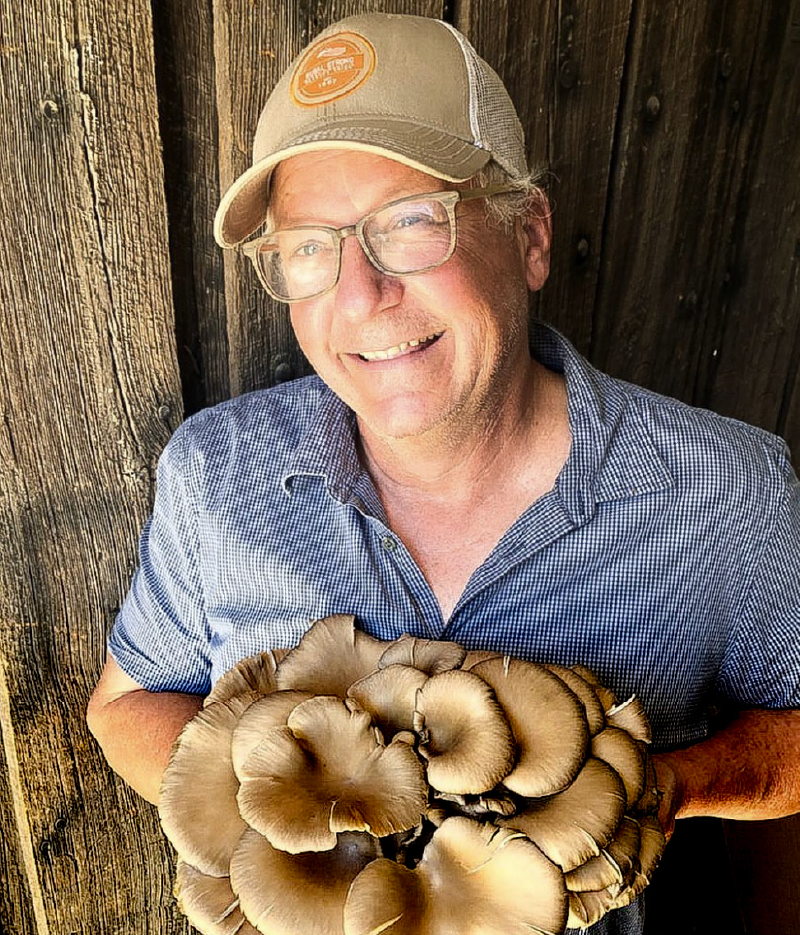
(398, 350)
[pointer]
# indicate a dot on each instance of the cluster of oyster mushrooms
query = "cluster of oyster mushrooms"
(357, 787)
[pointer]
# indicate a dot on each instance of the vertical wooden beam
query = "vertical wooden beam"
(89, 393)
(562, 63)
(21, 903)
(698, 295)
(755, 349)
(254, 44)
(185, 74)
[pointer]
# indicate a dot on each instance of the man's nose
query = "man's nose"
(362, 287)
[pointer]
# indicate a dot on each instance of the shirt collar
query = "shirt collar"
(328, 450)
(613, 455)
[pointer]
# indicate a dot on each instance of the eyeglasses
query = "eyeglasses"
(407, 236)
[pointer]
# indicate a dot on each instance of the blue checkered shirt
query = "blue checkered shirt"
(666, 557)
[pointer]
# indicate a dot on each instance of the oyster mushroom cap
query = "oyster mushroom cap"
(252, 674)
(573, 825)
(623, 849)
(651, 849)
(331, 656)
(588, 908)
(429, 656)
(607, 697)
(631, 717)
(388, 695)
(474, 656)
(548, 722)
(464, 734)
(197, 801)
(626, 755)
(596, 874)
(209, 903)
(270, 711)
(297, 894)
(616, 864)
(595, 715)
(473, 878)
(328, 771)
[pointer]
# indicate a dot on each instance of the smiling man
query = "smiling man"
(454, 471)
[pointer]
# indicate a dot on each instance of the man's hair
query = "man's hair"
(528, 195)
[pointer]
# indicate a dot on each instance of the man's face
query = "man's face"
(430, 352)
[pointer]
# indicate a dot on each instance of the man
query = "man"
(456, 474)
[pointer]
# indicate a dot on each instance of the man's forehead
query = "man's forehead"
(312, 182)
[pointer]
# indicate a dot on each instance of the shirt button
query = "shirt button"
(388, 543)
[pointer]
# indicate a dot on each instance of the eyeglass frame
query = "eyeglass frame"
(448, 199)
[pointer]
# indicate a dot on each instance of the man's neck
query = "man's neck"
(529, 432)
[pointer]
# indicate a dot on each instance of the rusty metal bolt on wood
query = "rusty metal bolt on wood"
(568, 74)
(50, 109)
(652, 108)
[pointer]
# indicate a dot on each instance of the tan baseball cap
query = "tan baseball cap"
(407, 87)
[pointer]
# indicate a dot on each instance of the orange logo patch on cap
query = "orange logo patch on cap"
(332, 68)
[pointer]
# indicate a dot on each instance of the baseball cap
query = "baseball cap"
(410, 88)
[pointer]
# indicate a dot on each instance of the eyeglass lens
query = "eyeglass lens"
(405, 237)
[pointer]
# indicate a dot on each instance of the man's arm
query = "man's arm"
(137, 728)
(748, 770)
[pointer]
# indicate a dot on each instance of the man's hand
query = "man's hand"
(137, 728)
(748, 770)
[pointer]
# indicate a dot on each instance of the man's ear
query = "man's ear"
(536, 233)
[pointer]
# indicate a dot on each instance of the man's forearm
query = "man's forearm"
(136, 732)
(748, 770)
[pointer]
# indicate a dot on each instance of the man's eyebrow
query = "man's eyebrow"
(306, 218)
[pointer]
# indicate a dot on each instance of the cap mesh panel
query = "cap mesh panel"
(493, 118)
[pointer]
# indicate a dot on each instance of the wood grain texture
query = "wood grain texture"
(185, 73)
(758, 344)
(562, 63)
(88, 395)
(254, 44)
(687, 222)
(21, 904)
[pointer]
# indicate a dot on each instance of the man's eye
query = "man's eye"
(409, 220)
(308, 250)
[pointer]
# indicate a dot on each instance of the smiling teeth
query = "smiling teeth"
(398, 349)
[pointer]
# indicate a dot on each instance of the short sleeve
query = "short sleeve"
(161, 636)
(762, 667)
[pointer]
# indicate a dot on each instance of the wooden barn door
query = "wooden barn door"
(669, 132)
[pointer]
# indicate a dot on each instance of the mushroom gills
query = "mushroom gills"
(473, 878)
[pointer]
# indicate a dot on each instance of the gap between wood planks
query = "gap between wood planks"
(20, 806)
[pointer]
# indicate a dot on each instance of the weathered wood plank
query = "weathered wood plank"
(699, 79)
(254, 44)
(756, 351)
(88, 395)
(21, 904)
(562, 64)
(184, 46)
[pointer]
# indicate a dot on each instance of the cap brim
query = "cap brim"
(243, 208)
